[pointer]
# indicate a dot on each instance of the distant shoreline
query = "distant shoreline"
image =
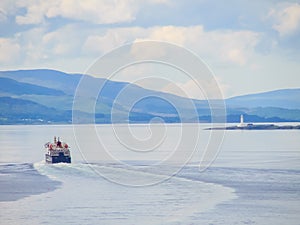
(258, 127)
(232, 126)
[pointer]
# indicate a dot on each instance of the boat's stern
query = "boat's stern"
(57, 152)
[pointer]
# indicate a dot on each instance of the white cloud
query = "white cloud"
(3, 15)
(94, 11)
(32, 47)
(74, 42)
(7, 7)
(225, 46)
(169, 33)
(63, 41)
(98, 12)
(35, 11)
(287, 19)
(112, 38)
(116, 37)
(167, 2)
(9, 50)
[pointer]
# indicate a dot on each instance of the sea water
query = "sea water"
(254, 179)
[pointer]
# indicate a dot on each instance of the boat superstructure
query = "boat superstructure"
(57, 152)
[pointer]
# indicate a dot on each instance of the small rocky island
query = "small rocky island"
(251, 126)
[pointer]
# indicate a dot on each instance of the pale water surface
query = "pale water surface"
(254, 180)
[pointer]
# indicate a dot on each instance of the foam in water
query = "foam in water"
(171, 201)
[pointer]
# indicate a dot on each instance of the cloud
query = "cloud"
(94, 11)
(9, 50)
(7, 7)
(167, 2)
(169, 33)
(76, 42)
(33, 49)
(98, 12)
(3, 16)
(110, 39)
(286, 19)
(64, 41)
(35, 11)
(36, 45)
(225, 46)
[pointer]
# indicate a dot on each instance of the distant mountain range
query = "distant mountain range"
(46, 96)
(287, 98)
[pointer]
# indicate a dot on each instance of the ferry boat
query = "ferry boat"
(57, 152)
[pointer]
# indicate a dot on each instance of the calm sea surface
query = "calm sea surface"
(141, 174)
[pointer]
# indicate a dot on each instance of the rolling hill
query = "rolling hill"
(285, 98)
(14, 87)
(19, 111)
(46, 96)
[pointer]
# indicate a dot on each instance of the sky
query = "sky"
(250, 45)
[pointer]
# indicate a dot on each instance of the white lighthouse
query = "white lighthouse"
(242, 124)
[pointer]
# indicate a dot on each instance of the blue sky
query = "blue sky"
(251, 46)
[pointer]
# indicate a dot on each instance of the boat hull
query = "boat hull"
(61, 158)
